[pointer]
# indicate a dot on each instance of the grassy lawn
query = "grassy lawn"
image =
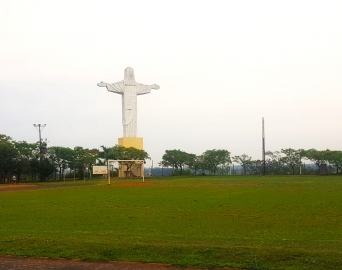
(290, 222)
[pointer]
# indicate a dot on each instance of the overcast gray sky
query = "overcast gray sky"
(221, 67)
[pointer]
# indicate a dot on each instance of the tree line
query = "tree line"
(285, 161)
(37, 162)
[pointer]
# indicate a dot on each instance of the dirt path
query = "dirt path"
(4, 188)
(15, 187)
(19, 263)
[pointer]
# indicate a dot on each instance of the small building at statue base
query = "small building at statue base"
(129, 169)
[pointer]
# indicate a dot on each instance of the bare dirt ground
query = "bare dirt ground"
(13, 187)
(19, 263)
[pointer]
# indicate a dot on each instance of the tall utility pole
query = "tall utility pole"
(263, 148)
(40, 128)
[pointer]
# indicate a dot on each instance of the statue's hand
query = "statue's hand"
(155, 86)
(102, 84)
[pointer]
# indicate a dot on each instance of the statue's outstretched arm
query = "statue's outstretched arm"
(154, 86)
(114, 87)
(145, 89)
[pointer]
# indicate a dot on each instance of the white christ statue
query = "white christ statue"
(129, 89)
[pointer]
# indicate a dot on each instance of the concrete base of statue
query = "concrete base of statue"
(137, 169)
(131, 142)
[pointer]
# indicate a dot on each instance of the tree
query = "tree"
(46, 168)
(177, 159)
(292, 158)
(334, 158)
(274, 162)
(196, 163)
(62, 157)
(35, 167)
(245, 161)
(256, 167)
(214, 158)
(25, 152)
(318, 157)
(84, 158)
(90, 159)
(119, 152)
(46, 165)
(106, 153)
(7, 157)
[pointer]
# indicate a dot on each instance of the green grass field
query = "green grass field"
(290, 222)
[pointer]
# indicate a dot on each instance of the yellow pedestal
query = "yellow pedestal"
(137, 170)
(131, 142)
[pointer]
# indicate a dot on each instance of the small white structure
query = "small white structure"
(126, 167)
(99, 169)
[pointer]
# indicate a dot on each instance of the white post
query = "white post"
(142, 172)
(108, 172)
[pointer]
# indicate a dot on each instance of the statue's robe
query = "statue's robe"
(129, 91)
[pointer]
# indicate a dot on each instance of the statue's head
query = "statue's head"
(129, 74)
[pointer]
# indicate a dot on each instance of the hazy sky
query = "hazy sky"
(221, 67)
